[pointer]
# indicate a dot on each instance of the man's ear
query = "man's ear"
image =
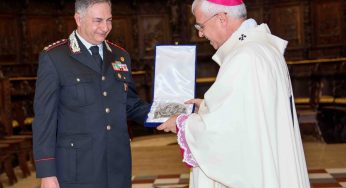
(77, 18)
(223, 18)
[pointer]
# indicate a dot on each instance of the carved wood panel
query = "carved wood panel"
(256, 13)
(192, 32)
(38, 7)
(286, 21)
(41, 31)
(340, 83)
(328, 18)
(122, 32)
(67, 26)
(248, 2)
(5, 104)
(10, 7)
(18, 70)
(326, 73)
(153, 30)
(301, 78)
(204, 47)
(9, 33)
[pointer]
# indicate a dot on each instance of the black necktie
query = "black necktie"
(96, 55)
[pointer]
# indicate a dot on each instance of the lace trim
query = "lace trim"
(186, 152)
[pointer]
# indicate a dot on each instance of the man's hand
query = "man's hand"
(196, 102)
(50, 182)
(169, 125)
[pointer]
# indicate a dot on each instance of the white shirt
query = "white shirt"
(88, 45)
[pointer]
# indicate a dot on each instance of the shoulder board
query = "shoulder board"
(55, 44)
(115, 45)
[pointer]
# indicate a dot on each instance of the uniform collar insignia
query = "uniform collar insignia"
(108, 47)
(74, 46)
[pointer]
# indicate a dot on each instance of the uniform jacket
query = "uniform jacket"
(80, 129)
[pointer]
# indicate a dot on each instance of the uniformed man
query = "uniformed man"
(84, 94)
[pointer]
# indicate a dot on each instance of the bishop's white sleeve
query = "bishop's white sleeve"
(184, 148)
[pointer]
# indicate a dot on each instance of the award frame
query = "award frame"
(174, 82)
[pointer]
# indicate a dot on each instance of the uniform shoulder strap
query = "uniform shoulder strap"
(115, 45)
(54, 45)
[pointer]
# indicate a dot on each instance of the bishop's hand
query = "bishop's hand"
(196, 102)
(169, 125)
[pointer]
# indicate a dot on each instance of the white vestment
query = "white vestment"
(246, 134)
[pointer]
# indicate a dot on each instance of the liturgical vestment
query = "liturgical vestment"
(246, 133)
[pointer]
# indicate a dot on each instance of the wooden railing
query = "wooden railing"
(22, 78)
(321, 72)
(316, 61)
(300, 100)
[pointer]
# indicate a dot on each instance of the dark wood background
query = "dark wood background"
(315, 29)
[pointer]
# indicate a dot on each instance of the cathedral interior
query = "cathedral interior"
(315, 56)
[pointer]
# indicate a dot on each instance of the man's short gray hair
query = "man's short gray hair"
(82, 5)
(211, 9)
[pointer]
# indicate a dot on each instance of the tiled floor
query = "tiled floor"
(164, 181)
(319, 178)
(333, 177)
(157, 164)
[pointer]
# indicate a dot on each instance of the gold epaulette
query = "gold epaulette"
(115, 45)
(55, 44)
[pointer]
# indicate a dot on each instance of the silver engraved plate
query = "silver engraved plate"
(167, 110)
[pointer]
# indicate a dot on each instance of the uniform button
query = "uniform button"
(105, 93)
(109, 127)
(72, 144)
(78, 80)
(107, 110)
(103, 78)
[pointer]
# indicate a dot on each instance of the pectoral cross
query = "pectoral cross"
(242, 37)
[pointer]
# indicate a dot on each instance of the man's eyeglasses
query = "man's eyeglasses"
(200, 26)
